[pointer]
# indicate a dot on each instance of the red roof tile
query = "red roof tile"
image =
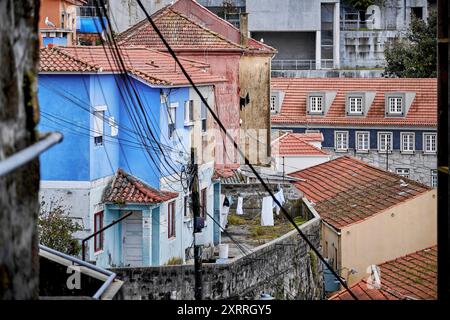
(423, 110)
(413, 276)
(293, 144)
(179, 31)
(346, 190)
(128, 189)
(150, 65)
(183, 30)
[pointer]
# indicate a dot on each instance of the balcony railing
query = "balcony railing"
(302, 64)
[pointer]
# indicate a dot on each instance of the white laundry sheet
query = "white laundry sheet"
(223, 213)
(280, 197)
(267, 212)
(239, 209)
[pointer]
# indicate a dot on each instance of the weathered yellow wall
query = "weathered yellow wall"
(254, 78)
(403, 229)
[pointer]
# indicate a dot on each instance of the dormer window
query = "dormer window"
(395, 104)
(273, 104)
(355, 105)
(276, 101)
(316, 104)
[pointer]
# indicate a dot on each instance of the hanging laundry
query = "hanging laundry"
(267, 212)
(280, 197)
(239, 210)
(226, 202)
(224, 211)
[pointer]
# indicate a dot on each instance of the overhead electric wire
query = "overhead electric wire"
(219, 122)
(129, 87)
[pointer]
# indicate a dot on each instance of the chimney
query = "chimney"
(243, 21)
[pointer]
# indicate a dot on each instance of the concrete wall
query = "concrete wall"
(126, 13)
(286, 15)
(285, 268)
(290, 45)
(407, 227)
(295, 163)
(254, 79)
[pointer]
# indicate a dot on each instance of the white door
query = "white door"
(132, 240)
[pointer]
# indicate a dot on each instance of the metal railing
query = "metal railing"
(303, 64)
(90, 11)
(111, 275)
(26, 155)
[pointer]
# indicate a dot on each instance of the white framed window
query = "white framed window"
(273, 103)
(434, 178)
(395, 105)
(188, 112)
(316, 104)
(404, 172)
(429, 142)
(385, 141)
(355, 105)
(203, 116)
(99, 124)
(171, 118)
(362, 141)
(341, 140)
(407, 142)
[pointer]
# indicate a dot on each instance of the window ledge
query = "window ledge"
(362, 151)
(430, 153)
(380, 151)
(96, 253)
(341, 150)
(188, 124)
(407, 152)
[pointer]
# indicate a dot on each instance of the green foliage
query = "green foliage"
(236, 220)
(56, 229)
(174, 261)
(415, 56)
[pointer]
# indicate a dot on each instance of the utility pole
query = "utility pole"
(198, 286)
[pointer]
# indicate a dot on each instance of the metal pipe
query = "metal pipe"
(111, 275)
(29, 153)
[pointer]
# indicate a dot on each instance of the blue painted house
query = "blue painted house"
(390, 123)
(127, 138)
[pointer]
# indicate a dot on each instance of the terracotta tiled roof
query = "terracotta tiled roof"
(423, 110)
(183, 26)
(178, 30)
(125, 188)
(346, 190)
(292, 144)
(413, 276)
(54, 60)
(150, 65)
